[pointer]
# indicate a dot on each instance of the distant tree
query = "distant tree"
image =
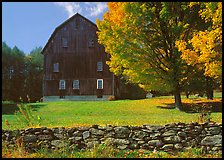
(34, 74)
(13, 69)
(21, 74)
(7, 72)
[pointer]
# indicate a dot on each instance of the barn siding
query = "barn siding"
(77, 61)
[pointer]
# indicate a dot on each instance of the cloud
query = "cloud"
(97, 8)
(89, 9)
(70, 7)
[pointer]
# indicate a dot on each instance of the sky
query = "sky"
(30, 24)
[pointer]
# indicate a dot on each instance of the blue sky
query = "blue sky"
(30, 24)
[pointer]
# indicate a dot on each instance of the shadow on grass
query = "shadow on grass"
(9, 109)
(195, 107)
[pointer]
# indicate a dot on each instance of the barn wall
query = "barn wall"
(77, 61)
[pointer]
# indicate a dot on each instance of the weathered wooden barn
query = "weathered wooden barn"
(75, 64)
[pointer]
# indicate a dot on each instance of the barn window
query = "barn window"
(99, 66)
(56, 67)
(75, 84)
(91, 42)
(64, 42)
(11, 72)
(99, 83)
(62, 84)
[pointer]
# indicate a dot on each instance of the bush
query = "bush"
(111, 98)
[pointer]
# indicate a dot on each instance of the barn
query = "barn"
(75, 64)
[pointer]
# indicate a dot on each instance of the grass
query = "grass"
(157, 111)
(103, 151)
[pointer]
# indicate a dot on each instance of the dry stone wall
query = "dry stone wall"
(170, 137)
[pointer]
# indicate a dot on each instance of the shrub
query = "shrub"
(111, 98)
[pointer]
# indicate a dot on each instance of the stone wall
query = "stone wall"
(171, 137)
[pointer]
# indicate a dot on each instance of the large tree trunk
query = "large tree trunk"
(209, 93)
(178, 102)
(209, 88)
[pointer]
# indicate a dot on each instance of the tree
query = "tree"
(140, 37)
(21, 74)
(12, 68)
(6, 72)
(204, 49)
(34, 74)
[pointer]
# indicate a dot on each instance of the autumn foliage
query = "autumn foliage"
(204, 49)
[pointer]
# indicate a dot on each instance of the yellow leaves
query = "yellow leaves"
(193, 3)
(205, 47)
(181, 45)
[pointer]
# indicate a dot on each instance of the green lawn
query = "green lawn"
(121, 112)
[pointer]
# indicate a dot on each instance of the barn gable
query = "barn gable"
(73, 22)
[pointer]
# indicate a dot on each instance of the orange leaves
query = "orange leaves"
(115, 13)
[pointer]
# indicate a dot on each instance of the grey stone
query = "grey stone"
(141, 142)
(121, 141)
(140, 134)
(61, 129)
(212, 140)
(214, 130)
(153, 128)
(83, 128)
(30, 138)
(147, 130)
(86, 134)
(71, 139)
(109, 134)
(157, 143)
(169, 133)
(46, 131)
(122, 147)
(37, 133)
(59, 143)
(167, 147)
(121, 132)
(178, 146)
(96, 132)
(45, 137)
(155, 135)
(182, 134)
(78, 138)
(108, 128)
(172, 139)
(59, 136)
(71, 130)
(77, 133)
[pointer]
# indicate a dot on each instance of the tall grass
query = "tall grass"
(102, 151)
(26, 116)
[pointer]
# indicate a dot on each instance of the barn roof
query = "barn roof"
(61, 26)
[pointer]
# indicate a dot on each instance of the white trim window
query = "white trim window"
(64, 42)
(56, 67)
(75, 84)
(62, 84)
(99, 83)
(99, 66)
